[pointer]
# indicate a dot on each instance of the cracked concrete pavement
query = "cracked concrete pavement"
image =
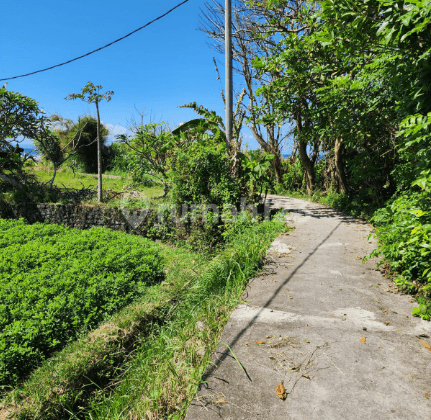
(327, 325)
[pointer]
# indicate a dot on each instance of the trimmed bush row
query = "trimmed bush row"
(56, 282)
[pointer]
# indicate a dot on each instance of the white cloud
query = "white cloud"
(116, 129)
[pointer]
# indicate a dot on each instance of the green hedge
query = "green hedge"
(56, 282)
(403, 227)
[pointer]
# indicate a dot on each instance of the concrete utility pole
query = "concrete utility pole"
(228, 65)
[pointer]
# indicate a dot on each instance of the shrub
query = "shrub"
(200, 173)
(403, 227)
(56, 282)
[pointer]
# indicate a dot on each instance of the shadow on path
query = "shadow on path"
(225, 353)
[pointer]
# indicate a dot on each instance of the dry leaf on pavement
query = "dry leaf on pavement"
(281, 391)
(427, 395)
(426, 345)
(362, 340)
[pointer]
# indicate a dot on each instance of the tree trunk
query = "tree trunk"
(278, 168)
(51, 182)
(308, 165)
(305, 159)
(339, 164)
(99, 157)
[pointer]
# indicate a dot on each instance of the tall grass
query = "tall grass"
(163, 376)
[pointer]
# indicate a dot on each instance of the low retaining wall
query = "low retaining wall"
(78, 216)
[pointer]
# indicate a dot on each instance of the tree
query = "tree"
(246, 46)
(49, 142)
(150, 147)
(91, 94)
(20, 116)
(291, 87)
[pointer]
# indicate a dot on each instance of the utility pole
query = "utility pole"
(228, 77)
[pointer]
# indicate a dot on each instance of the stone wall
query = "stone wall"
(79, 216)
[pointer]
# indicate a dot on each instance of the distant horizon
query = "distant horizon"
(29, 149)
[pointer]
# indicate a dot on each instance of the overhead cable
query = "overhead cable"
(98, 49)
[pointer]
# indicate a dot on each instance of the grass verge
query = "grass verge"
(162, 378)
(64, 383)
(148, 360)
(116, 183)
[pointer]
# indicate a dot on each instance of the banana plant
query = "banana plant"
(213, 123)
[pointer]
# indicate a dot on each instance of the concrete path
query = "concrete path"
(302, 323)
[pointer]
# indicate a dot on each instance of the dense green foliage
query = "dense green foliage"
(200, 173)
(19, 116)
(56, 282)
(403, 227)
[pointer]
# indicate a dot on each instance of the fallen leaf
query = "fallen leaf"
(426, 345)
(427, 395)
(306, 376)
(272, 357)
(343, 319)
(362, 340)
(281, 391)
(260, 342)
(296, 368)
(387, 323)
(307, 341)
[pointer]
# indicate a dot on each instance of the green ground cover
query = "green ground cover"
(118, 182)
(56, 282)
(147, 359)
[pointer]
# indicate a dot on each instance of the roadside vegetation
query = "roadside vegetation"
(153, 351)
(101, 324)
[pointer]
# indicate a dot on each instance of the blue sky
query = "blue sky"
(157, 69)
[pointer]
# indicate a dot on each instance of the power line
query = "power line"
(98, 49)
